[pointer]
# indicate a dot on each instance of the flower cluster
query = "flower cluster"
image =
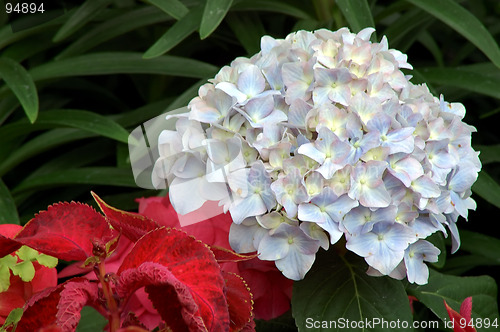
(321, 135)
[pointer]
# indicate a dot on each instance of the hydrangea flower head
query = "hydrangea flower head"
(321, 136)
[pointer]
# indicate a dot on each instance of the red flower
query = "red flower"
(462, 320)
(19, 291)
(271, 290)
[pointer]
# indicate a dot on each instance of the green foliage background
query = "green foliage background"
(74, 86)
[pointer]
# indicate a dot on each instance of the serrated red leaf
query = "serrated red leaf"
(65, 231)
(223, 255)
(74, 297)
(58, 306)
(239, 301)
(131, 225)
(192, 263)
(171, 297)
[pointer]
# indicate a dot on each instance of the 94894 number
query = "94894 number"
(24, 8)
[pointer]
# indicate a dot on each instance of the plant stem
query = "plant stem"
(113, 311)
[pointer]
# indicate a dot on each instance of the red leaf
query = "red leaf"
(223, 255)
(132, 225)
(58, 306)
(74, 297)
(239, 301)
(457, 318)
(7, 246)
(40, 310)
(171, 297)
(65, 231)
(193, 264)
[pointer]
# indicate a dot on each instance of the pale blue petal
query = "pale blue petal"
(311, 212)
(232, 90)
(274, 247)
(184, 195)
(251, 81)
(426, 187)
(338, 208)
(250, 206)
(295, 265)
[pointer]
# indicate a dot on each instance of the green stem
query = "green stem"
(113, 310)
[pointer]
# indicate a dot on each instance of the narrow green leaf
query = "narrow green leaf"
(8, 209)
(481, 245)
(214, 13)
(85, 13)
(114, 27)
(174, 8)
(338, 287)
(426, 38)
(22, 85)
(357, 13)
(405, 26)
(487, 188)
(40, 144)
(277, 6)
(84, 120)
(123, 63)
(454, 290)
(7, 36)
(175, 34)
(489, 153)
(106, 176)
(248, 29)
(465, 23)
(464, 79)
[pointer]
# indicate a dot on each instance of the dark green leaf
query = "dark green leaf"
(108, 176)
(464, 79)
(338, 287)
(40, 144)
(271, 6)
(487, 188)
(214, 13)
(80, 119)
(248, 29)
(174, 8)
(91, 320)
(489, 153)
(8, 210)
(85, 13)
(437, 240)
(22, 85)
(465, 23)
(481, 245)
(454, 290)
(7, 36)
(176, 34)
(123, 63)
(357, 13)
(112, 28)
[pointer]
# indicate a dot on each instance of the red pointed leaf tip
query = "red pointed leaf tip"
(193, 264)
(223, 255)
(7, 244)
(131, 225)
(458, 318)
(65, 231)
(239, 301)
(59, 306)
